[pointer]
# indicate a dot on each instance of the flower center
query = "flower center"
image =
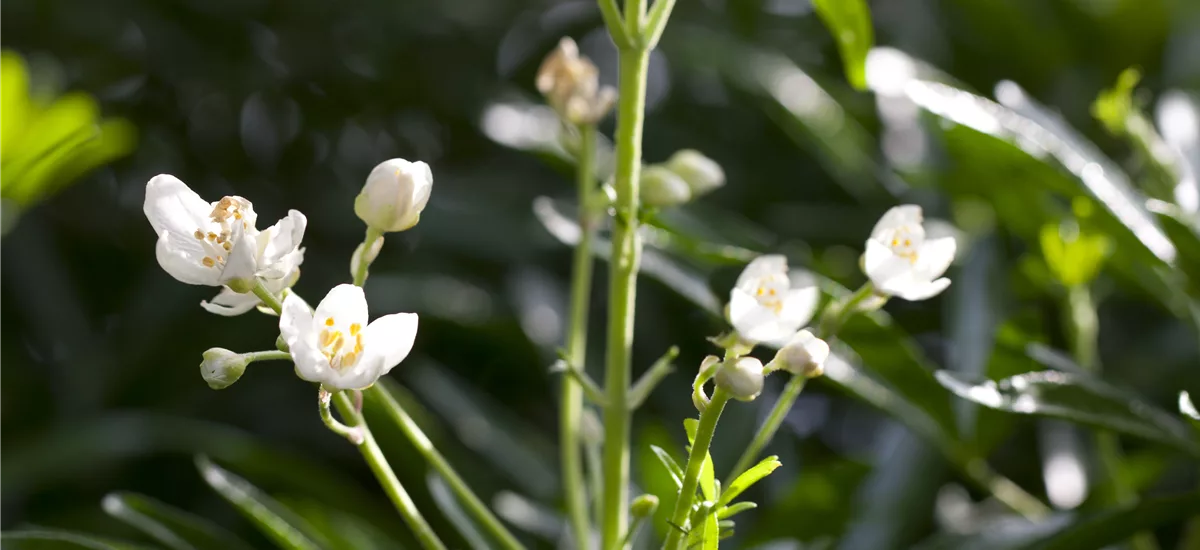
(770, 291)
(215, 239)
(905, 241)
(336, 345)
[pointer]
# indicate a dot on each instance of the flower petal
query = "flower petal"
(883, 266)
(240, 265)
(180, 257)
(897, 216)
(230, 303)
(346, 304)
(172, 206)
(922, 291)
(762, 266)
(751, 320)
(296, 327)
(799, 304)
(390, 338)
(934, 257)
(279, 241)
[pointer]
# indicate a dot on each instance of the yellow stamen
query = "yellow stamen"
(349, 359)
(199, 234)
(329, 321)
(207, 261)
(354, 328)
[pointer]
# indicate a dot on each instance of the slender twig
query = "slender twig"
(465, 495)
(352, 433)
(387, 478)
(650, 379)
(687, 493)
(268, 298)
(365, 258)
(591, 390)
(616, 28)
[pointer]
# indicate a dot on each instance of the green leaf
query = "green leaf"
(1113, 105)
(336, 528)
(748, 478)
(708, 481)
(849, 21)
(712, 532)
(448, 504)
(54, 539)
(735, 509)
(670, 464)
(1113, 526)
(1078, 398)
(280, 524)
(168, 525)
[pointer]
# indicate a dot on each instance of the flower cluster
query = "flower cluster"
(219, 244)
(769, 306)
(571, 84)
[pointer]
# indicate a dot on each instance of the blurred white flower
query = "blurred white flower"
(900, 261)
(763, 306)
(571, 84)
(336, 347)
(804, 355)
(215, 244)
(742, 378)
(702, 174)
(395, 194)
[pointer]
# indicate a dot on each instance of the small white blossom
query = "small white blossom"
(742, 378)
(804, 355)
(395, 194)
(763, 306)
(900, 261)
(571, 84)
(216, 244)
(336, 347)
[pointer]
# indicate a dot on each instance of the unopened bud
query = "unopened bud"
(663, 188)
(644, 506)
(395, 194)
(571, 84)
(702, 174)
(221, 367)
(804, 355)
(742, 378)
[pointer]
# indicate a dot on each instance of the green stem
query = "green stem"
(623, 284)
(387, 478)
(1084, 330)
(271, 355)
(364, 259)
(268, 299)
(465, 495)
(352, 433)
(695, 462)
(571, 404)
(835, 316)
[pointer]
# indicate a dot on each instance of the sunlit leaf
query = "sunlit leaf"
(849, 21)
(168, 525)
(275, 521)
(670, 464)
(749, 478)
(1077, 398)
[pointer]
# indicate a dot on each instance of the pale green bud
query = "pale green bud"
(221, 367)
(395, 194)
(702, 174)
(803, 355)
(742, 378)
(1074, 257)
(663, 188)
(644, 506)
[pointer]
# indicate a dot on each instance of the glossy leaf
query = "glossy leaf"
(168, 525)
(670, 464)
(281, 525)
(749, 478)
(849, 21)
(1077, 398)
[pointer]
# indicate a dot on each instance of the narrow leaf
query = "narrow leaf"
(1077, 398)
(448, 504)
(849, 21)
(168, 525)
(280, 524)
(748, 478)
(1113, 526)
(54, 538)
(734, 509)
(670, 464)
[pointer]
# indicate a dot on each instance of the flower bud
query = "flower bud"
(395, 194)
(372, 253)
(221, 367)
(643, 506)
(702, 174)
(663, 188)
(742, 378)
(803, 355)
(571, 84)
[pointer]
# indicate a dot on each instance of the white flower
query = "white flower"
(742, 378)
(763, 306)
(395, 194)
(901, 262)
(215, 244)
(336, 347)
(571, 84)
(804, 355)
(230, 303)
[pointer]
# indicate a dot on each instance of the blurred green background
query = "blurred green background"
(291, 104)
